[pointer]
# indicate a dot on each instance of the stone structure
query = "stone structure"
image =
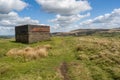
(32, 33)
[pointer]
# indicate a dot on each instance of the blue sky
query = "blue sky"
(61, 15)
(101, 7)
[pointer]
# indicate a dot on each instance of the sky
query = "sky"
(60, 15)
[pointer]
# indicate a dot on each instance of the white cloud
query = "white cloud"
(9, 19)
(12, 19)
(67, 11)
(65, 21)
(9, 5)
(7, 30)
(64, 6)
(109, 20)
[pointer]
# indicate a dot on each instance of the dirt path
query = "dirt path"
(64, 71)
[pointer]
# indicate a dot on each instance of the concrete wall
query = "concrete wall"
(32, 33)
(38, 36)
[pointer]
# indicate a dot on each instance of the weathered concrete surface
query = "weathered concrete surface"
(32, 33)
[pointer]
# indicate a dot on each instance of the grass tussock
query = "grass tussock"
(4, 69)
(101, 55)
(98, 49)
(29, 52)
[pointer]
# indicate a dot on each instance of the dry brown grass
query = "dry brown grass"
(98, 49)
(29, 52)
(12, 52)
(79, 71)
(83, 57)
(48, 46)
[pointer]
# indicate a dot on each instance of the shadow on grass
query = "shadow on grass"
(13, 41)
(18, 42)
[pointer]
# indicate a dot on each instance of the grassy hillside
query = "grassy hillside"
(71, 58)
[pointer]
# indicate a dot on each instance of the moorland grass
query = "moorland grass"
(87, 58)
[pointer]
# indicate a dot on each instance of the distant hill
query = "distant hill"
(80, 32)
(7, 36)
(117, 28)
